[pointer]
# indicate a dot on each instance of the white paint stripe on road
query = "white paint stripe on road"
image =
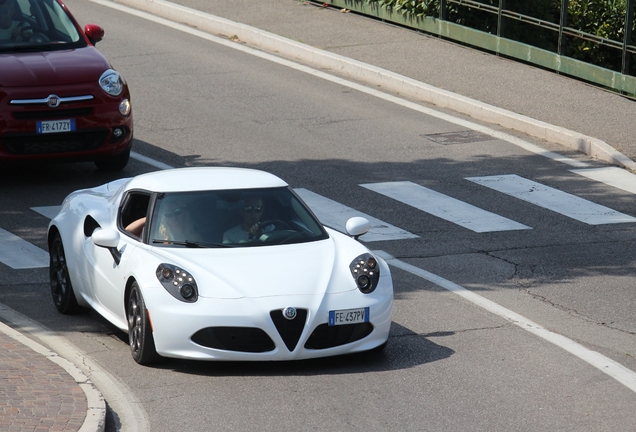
(20, 254)
(553, 199)
(149, 161)
(606, 365)
(47, 211)
(445, 207)
(335, 215)
(613, 176)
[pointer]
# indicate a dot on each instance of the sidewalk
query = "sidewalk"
(41, 391)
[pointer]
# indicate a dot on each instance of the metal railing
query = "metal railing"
(557, 53)
(561, 28)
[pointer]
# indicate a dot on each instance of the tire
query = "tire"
(142, 344)
(61, 287)
(113, 163)
(380, 348)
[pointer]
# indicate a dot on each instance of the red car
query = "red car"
(60, 99)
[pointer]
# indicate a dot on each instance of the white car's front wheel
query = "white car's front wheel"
(142, 344)
(61, 287)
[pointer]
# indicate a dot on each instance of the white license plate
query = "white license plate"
(348, 316)
(55, 126)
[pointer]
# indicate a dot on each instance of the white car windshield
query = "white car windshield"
(232, 218)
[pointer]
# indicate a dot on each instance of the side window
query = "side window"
(132, 216)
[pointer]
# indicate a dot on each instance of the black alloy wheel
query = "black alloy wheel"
(142, 344)
(61, 287)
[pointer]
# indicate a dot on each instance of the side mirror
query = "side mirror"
(94, 33)
(357, 226)
(108, 239)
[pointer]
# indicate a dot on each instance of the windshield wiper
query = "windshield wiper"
(191, 244)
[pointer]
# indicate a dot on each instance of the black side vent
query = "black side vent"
(52, 114)
(66, 142)
(326, 336)
(289, 330)
(242, 339)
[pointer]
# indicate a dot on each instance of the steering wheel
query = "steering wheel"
(277, 224)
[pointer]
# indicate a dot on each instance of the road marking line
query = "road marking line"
(149, 161)
(335, 215)
(445, 207)
(47, 211)
(20, 254)
(553, 199)
(613, 176)
(606, 365)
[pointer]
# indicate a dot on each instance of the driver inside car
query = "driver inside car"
(10, 28)
(251, 227)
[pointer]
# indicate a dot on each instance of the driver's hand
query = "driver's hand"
(255, 229)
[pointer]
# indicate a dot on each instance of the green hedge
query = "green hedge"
(603, 18)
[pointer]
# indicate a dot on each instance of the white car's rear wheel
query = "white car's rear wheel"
(142, 344)
(61, 287)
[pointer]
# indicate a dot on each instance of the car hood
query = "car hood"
(251, 272)
(52, 68)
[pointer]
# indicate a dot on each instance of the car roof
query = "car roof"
(204, 178)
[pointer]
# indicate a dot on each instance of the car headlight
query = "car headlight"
(111, 82)
(124, 107)
(178, 282)
(366, 272)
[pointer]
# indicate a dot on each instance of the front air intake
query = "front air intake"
(289, 329)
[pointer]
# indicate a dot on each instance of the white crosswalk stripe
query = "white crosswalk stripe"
(20, 254)
(445, 207)
(335, 215)
(553, 199)
(47, 211)
(613, 176)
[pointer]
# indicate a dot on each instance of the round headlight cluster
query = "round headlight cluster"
(111, 82)
(179, 283)
(366, 272)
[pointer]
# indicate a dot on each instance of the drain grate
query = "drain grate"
(461, 137)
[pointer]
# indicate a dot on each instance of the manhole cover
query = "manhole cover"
(461, 137)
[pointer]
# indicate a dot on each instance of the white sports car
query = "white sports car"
(218, 264)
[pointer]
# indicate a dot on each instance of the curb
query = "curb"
(376, 76)
(96, 412)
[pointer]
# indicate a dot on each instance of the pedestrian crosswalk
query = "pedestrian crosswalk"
(445, 207)
(553, 199)
(335, 215)
(20, 254)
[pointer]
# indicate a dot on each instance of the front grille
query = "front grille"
(68, 142)
(326, 336)
(289, 330)
(53, 114)
(242, 339)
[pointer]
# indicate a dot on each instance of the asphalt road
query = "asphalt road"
(449, 364)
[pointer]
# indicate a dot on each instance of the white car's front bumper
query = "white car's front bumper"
(224, 323)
